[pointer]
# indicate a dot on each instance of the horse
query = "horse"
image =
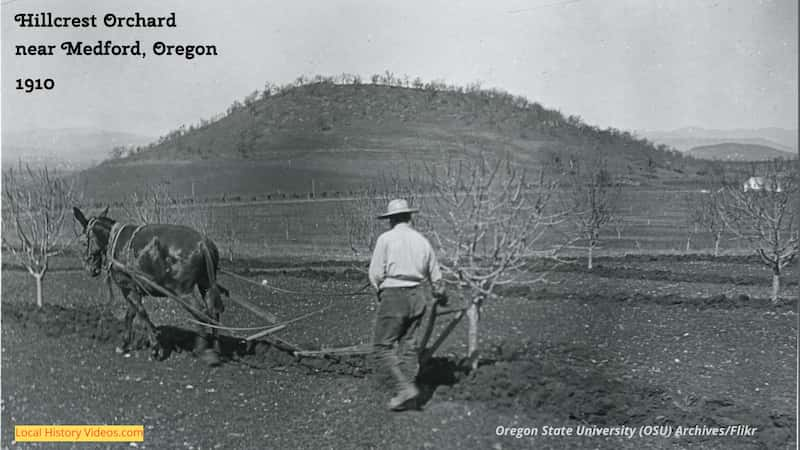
(156, 260)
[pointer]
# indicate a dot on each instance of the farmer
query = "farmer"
(402, 261)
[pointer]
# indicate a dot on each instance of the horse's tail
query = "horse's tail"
(211, 257)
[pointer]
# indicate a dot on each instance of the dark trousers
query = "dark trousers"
(396, 339)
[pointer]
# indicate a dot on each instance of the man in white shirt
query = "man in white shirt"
(403, 259)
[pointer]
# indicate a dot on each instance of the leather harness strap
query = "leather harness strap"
(129, 248)
(113, 237)
(111, 250)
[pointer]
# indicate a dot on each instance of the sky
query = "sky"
(628, 64)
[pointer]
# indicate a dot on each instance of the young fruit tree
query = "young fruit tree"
(619, 222)
(592, 198)
(767, 216)
(487, 221)
(691, 222)
(704, 214)
(35, 207)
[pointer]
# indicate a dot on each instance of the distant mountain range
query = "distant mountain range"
(65, 149)
(731, 151)
(685, 139)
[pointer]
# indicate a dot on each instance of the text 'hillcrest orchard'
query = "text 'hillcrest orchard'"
(110, 20)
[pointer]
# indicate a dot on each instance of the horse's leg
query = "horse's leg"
(209, 355)
(136, 300)
(213, 303)
(130, 314)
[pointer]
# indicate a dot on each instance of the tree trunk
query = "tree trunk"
(591, 249)
(38, 277)
(776, 286)
(473, 315)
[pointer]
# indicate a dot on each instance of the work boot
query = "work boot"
(399, 401)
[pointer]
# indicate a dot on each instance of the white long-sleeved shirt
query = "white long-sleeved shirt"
(402, 258)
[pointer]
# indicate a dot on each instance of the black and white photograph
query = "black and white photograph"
(351, 224)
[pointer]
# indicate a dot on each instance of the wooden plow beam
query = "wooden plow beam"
(427, 352)
(430, 321)
(270, 330)
(360, 349)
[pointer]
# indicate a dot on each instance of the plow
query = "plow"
(268, 332)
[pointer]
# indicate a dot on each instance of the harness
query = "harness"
(111, 249)
(113, 240)
(144, 283)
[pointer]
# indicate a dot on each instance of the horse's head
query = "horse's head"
(97, 230)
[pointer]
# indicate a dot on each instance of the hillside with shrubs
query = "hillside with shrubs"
(344, 126)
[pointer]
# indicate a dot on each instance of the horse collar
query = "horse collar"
(90, 225)
(113, 236)
(129, 249)
(113, 240)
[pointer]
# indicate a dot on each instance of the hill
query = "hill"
(347, 133)
(66, 149)
(731, 151)
(684, 139)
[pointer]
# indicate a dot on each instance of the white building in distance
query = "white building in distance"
(762, 184)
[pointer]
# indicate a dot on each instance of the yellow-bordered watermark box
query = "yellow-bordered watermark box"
(79, 433)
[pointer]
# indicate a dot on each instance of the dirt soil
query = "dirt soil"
(636, 342)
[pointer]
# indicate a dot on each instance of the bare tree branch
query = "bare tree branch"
(766, 217)
(487, 220)
(592, 196)
(36, 206)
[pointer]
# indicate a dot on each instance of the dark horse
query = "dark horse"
(172, 257)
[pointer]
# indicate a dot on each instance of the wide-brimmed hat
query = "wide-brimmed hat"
(397, 206)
